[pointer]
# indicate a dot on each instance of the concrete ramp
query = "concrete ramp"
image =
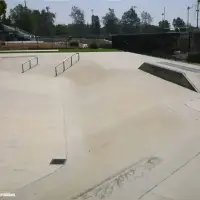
(123, 133)
(168, 74)
(195, 79)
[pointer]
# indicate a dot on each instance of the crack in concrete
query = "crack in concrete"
(106, 188)
(64, 118)
(192, 108)
(169, 175)
(38, 180)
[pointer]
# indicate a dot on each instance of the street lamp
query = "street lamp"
(198, 2)
(163, 14)
(25, 3)
(188, 15)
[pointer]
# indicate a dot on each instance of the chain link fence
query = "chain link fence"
(59, 42)
(37, 43)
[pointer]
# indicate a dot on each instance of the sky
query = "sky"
(62, 8)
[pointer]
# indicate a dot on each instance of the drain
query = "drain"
(57, 161)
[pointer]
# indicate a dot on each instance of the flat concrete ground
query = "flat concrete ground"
(125, 134)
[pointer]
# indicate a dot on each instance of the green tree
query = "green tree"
(95, 26)
(164, 24)
(179, 24)
(111, 22)
(3, 7)
(47, 19)
(77, 15)
(36, 21)
(33, 21)
(130, 21)
(21, 17)
(146, 18)
(6, 20)
(61, 29)
(77, 27)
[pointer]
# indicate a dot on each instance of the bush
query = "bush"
(194, 57)
(108, 38)
(106, 46)
(2, 44)
(74, 44)
(93, 45)
(159, 54)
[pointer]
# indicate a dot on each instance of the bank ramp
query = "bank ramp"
(171, 74)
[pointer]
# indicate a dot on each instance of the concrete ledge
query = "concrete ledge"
(168, 74)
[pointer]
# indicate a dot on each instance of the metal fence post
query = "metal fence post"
(22, 68)
(29, 64)
(56, 71)
(63, 66)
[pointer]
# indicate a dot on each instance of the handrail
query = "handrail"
(63, 63)
(29, 61)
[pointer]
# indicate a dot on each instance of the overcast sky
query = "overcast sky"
(62, 8)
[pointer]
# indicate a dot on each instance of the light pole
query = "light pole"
(25, 3)
(198, 2)
(92, 17)
(163, 14)
(92, 11)
(163, 18)
(188, 15)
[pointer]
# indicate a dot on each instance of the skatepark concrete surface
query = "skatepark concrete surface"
(125, 134)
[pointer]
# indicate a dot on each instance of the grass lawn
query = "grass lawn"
(61, 51)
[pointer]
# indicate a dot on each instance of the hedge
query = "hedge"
(74, 44)
(105, 46)
(93, 45)
(194, 57)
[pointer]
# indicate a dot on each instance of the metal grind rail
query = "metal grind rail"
(63, 64)
(30, 65)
